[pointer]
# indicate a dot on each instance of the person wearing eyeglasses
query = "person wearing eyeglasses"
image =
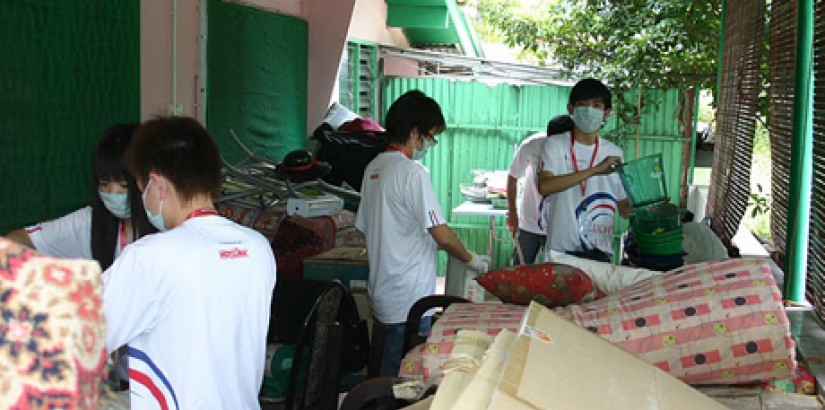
(404, 226)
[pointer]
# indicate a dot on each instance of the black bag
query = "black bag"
(294, 299)
(355, 344)
(348, 153)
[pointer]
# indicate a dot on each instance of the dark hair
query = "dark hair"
(108, 164)
(180, 149)
(590, 88)
(412, 111)
(559, 124)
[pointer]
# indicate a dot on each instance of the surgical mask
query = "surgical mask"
(155, 219)
(588, 119)
(419, 154)
(117, 204)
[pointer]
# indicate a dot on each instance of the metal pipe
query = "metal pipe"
(695, 114)
(799, 213)
(174, 53)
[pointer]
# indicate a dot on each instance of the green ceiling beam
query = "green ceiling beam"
(428, 17)
(434, 22)
(446, 37)
(466, 35)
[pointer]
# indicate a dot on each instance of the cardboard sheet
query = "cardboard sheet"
(555, 364)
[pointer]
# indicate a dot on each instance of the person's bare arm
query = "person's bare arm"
(447, 240)
(551, 184)
(20, 236)
(512, 211)
(625, 208)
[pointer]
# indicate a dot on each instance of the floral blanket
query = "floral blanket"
(52, 331)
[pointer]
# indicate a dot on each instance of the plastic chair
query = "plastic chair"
(411, 336)
(380, 393)
(368, 392)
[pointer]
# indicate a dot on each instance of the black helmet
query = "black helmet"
(301, 166)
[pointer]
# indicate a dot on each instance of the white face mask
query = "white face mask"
(155, 219)
(588, 119)
(117, 204)
(419, 154)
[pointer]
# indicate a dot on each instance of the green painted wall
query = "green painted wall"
(486, 123)
(68, 70)
(257, 80)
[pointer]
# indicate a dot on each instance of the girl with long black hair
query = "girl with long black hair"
(102, 229)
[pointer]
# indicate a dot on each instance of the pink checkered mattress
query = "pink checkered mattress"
(718, 322)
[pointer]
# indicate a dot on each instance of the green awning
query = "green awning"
(434, 23)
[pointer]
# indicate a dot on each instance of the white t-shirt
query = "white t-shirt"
(525, 165)
(577, 222)
(193, 304)
(69, 236)
(397, 207)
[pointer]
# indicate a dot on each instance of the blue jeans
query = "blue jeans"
(390, 339)
(530, 244)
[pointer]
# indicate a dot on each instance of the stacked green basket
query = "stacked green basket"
(656, 224)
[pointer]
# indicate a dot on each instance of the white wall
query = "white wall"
(329, 21)
(369, 23)
(156, 80)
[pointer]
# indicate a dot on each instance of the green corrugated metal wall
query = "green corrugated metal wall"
(486, 123)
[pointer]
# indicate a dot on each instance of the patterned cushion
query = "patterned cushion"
(551, 284)
(52, 331)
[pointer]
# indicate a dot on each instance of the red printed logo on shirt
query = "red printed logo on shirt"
(374, 176)
(233, 253)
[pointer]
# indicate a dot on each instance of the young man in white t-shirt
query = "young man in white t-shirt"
(578, 177)
(403, 225)
(525, 221)
(192, 302)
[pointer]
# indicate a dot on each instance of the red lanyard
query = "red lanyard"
(122, 235)
(201, 212)
(393, 147)
(583, 184)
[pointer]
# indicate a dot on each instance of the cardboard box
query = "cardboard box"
(555, 364)
(346, 264)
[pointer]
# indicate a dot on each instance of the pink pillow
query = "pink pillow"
(551, 284)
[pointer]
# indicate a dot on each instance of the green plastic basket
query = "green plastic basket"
(656, 219)
(675, 235)
(660, 249)
(644, 180)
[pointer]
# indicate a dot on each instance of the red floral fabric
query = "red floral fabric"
(299, 238)
(551, 284)
(52, 331)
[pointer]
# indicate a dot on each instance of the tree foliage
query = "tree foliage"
(659, 44)
(629, 44)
